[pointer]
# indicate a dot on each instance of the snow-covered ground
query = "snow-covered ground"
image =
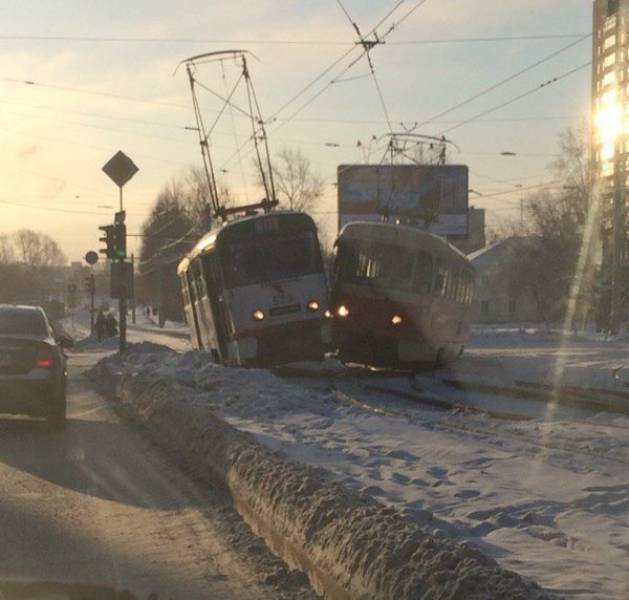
(173, 334)
(548, 498)
(506, 355)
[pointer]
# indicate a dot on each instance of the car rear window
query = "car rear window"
(14, 321)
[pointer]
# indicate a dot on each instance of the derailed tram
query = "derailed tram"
(401, 296)
(255, 291)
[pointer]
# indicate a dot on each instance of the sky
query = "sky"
(104, 80)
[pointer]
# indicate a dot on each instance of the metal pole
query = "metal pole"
(92, 292)
(133, 299)
(122, 308)
(618, 241)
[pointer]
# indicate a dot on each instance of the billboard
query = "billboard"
(434, 193)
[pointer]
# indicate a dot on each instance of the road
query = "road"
(99, 505)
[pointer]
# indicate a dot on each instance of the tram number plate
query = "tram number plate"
(282, 299)
(285, 310)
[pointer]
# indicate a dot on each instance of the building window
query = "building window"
(484, 307)
(609, 61)
(610, 23)
(610, 42)
(609, 78)
(512, 306)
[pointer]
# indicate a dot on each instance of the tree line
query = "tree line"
(28, 261)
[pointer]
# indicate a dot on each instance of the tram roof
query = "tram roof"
(401, 234)
(209, 240)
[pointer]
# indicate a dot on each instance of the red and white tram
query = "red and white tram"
(401, 296)
(255, 291)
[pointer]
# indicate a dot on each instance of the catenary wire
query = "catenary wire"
(504, 81)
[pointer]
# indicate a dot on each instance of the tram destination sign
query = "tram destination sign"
(433, 194)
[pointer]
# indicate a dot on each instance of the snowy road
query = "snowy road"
(99, 505)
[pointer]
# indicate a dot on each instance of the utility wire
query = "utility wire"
(505, 81)
(281, 42)
(92, 92)
(519, 97)
(325, 72)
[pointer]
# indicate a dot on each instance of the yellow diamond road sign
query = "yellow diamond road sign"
(120, 168)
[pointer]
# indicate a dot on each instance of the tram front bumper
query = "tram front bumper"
(282, 344)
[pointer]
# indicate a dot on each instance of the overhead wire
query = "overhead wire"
(518, 97)
(278, 42)
(504, 81)
(303, 106)
(76, 90)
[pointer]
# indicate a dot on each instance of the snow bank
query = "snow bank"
(350, 545)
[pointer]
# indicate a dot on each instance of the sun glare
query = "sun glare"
(608, 122)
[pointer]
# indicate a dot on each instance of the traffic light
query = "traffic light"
(120, 241)
(108, 238)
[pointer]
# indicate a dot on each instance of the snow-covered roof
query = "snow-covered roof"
(490, 255)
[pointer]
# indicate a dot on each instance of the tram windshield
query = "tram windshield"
(387, 266)
(271, 259)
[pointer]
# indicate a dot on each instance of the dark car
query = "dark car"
(32, 365)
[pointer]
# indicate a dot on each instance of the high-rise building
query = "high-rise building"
(610, 135)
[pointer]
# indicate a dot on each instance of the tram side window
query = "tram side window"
(423, 273)
(184, 289)
(441, 279)
(198, 283)
(461, 290)
(189, 282)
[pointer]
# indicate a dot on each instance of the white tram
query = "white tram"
(254, 291)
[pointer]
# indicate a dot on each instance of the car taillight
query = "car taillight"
(44, 359)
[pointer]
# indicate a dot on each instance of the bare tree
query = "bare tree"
(7, 254)
(297, 184)
(37, 249)
(557, 265)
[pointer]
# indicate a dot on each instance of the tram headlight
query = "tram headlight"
(313, 305)
(258, 315)
(396, 320)
(328, 314)
(343, 311)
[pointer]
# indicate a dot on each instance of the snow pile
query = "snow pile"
(346, 541)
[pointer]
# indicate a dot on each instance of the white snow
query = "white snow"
(548, 498)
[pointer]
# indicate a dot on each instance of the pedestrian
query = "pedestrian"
(100, 325)
(111, 325)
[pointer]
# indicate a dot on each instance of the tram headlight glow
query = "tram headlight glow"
(343, 311)
(258, 315)
(328, 314)
(313, 305)
(396, 320)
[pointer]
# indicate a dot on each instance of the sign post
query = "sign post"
(91, 258)
(120, 169)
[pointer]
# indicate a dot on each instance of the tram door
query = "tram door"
(202, 306)
(190, 300)
(215, 290)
